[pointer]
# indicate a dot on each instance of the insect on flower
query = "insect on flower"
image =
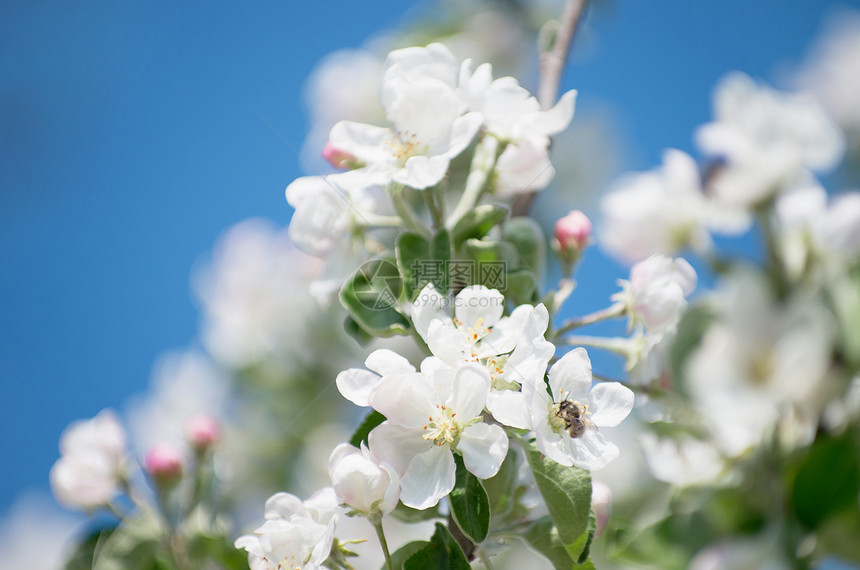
(575, 417)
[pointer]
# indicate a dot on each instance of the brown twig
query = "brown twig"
(552, 65)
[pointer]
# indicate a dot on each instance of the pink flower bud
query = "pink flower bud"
(203, 431)
(336, 157)
(601, 503)
(573, 232)
(163, 463)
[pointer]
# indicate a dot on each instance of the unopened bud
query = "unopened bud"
(203, 431)
(573, 231)
(163, 464)
(338, 158)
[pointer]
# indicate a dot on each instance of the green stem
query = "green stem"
(611, 312)
(485, 559)
(484, 162)
(377, 526)
(409, 218)
(433, 206)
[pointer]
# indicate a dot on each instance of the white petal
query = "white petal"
(283, 506)
(365, 142)
(557, 118)
(448, 343)
(463, 130)
(422, 172)
(395, 445)
(427, 307)
(429, 477)
(478, 302)
(471, 386)
(405, 399)
(570, 377)
(591, 450)
(550, 443)
(484, 447)
(357, 385)
(509, 408)
(610, 403)
(384, 362)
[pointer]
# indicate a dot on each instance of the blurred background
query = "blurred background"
(133, 135)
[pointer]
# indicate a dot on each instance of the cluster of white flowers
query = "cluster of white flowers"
(761, 142)
(89, 472)
(437, 107)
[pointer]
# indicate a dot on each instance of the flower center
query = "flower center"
(569, 416)
(441, 427)
(404, 145)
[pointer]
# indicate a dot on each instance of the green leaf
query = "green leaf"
(581, 549)
(476, 223)
(423, 261)
(410, 515)
(353, 329)
(442, 552)
(399, 556)
(369, 422)
(134, 545)
(83, 556)
(828, 482)
(371, 295)
(543, 537)
(527, 236)
(483, 251)
(566, 492)
(470, 504)
(521, 287)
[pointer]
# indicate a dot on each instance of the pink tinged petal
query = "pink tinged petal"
(484, 447)
(556, 119)
(684, 274)
(609, 403)
(405, 399)
(570, 377)
(357, 385)
(471, 386)
(591, 450)
(509, 408)
(429, 477)
(365, 142)
(385, 362)
(421, 172)
(395, 445)
(478, 302)
(392, 493)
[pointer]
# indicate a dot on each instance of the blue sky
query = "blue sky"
(133, 134)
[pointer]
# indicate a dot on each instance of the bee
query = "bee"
(574, 416)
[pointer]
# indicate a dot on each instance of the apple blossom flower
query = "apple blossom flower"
(89, 472)
(362, 482)
(832, 70)
(358, 385)
(295, 535)
(656, 294)
(430, 416)
(430, 125)
(765, 138)
(513, 349)
(661, 211)
(759, 365)
(565, 422)
(681, 461)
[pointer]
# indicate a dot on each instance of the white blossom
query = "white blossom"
(89, 472)
(661, 211)
(361, 481)
(760, 362)
(565, 423)
(681, 461)
(765, 138)
(656, 294)
(431, 415)
(296, 535)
